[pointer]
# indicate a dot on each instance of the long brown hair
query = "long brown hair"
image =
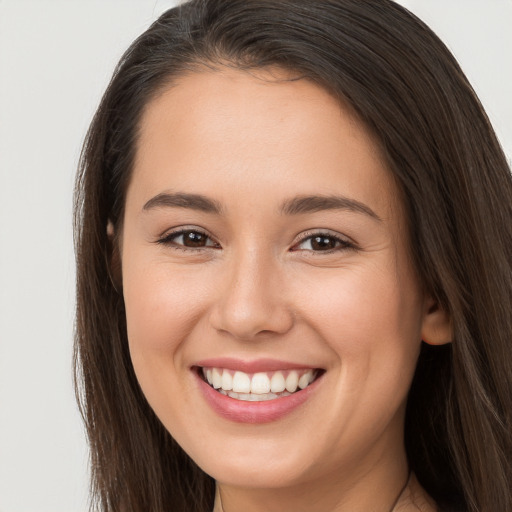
(409, 91)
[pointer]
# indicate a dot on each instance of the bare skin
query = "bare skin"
(412, 498)
(267, 276)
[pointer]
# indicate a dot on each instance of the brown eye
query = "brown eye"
(188, 239)
(194, 239)
(323, 242)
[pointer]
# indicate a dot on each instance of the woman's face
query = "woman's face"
(264, 246)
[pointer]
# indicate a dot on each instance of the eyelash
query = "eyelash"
(343, 244)
(169, 240)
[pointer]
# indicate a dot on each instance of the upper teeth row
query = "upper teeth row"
(259, 383)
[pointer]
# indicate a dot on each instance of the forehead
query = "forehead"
(220, 131)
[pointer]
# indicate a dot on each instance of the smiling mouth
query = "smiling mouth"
(258, 387)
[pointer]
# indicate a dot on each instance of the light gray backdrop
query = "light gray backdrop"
(56, 58)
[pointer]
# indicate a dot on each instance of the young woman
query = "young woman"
(293, 225)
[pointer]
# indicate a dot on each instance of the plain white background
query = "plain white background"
(56, 58)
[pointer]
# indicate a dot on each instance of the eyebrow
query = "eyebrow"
(294, 206)
(182, 200)
(309, 204)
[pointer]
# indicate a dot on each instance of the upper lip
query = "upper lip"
(254, 366)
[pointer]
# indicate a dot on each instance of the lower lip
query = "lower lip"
(242, 411)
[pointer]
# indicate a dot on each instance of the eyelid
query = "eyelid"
(165, 238)
(347, 242)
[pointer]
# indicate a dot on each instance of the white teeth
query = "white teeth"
(216, 378)
(260, 384)
(253, 397)
(292, 381)
(306, 379)
(241, 382)
(227, 381)
(277, 383)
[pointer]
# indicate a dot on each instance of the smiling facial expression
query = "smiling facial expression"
(264, 250)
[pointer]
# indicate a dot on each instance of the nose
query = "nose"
(251, 302)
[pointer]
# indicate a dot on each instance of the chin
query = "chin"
(256, 474)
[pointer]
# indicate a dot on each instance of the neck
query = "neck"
(382, 488)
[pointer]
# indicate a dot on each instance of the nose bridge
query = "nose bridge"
(252, 301)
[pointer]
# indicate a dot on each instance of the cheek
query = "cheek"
(371, 320)
(162, 308)
(361, 300)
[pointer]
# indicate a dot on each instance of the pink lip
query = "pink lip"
(258, 365)
(253, 412)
